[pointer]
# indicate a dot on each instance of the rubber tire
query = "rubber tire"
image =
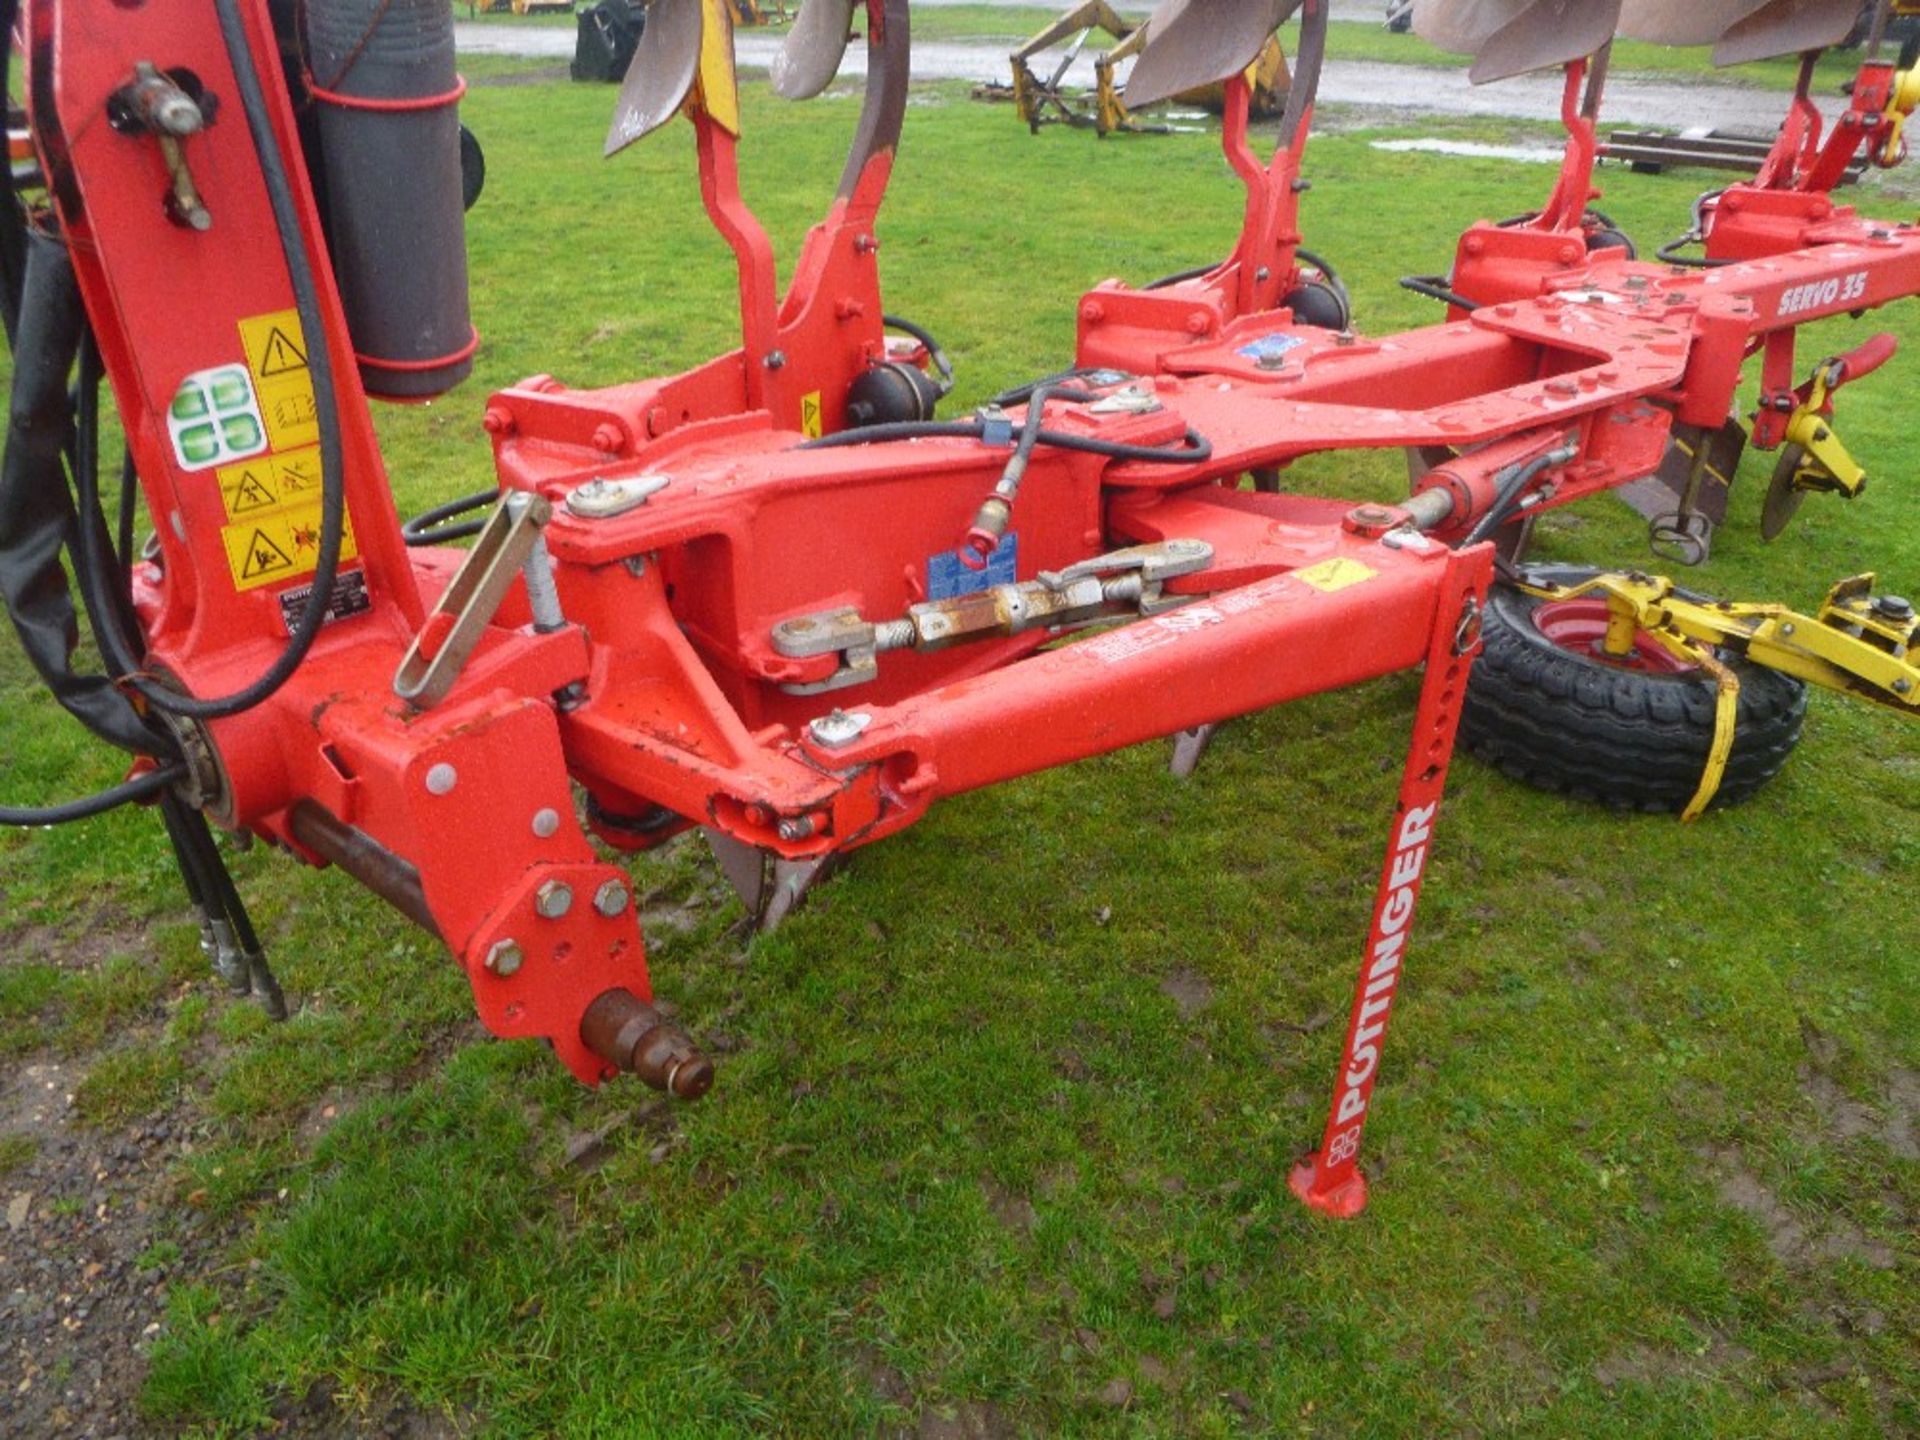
(1564, 722)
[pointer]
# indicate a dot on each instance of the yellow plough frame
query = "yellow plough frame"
(1860, 644)
(1043, 101)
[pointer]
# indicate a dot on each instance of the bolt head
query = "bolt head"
(546, 823)
(441, 779)
(553, 900)
(505, 958)
(611, 899)
(838, 728)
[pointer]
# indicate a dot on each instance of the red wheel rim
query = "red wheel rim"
(1580, 626)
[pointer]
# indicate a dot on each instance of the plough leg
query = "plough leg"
(1188, 747)
(1329, 1180)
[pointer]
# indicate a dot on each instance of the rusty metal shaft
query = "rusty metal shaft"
(626, 1032)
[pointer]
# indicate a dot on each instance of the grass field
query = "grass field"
(1004, 1114)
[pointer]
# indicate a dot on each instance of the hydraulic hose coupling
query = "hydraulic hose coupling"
(629, 1034)
(989, 524)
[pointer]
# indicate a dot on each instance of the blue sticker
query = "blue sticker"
(1270, 347)
(948, 576)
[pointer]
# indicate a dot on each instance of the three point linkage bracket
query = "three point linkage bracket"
(1120, 582)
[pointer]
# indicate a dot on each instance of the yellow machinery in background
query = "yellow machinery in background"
(1044, 101)
(745, 12)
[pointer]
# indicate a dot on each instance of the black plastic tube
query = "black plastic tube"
(1435, 287)
(141, 787)
(936, 353)
(1194, 449)
(1507, 499)
(430, 527)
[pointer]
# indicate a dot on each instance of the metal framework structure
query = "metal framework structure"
(772, 597)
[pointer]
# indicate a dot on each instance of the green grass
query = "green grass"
(966, 1158)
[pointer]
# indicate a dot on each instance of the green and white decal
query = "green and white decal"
(215, 417)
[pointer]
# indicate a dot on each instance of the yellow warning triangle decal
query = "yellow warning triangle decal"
(250, 494)
(282, 356)
(263, 557)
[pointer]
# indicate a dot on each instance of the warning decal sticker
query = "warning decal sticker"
(810, 421)
(271, 499)
(1335, 574)
(280, 545)
(277, 358)
(269, 482)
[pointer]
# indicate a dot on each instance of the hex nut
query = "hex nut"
(553, 899)
(505, 958)
(610, 899)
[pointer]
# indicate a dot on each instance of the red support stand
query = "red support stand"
(1329, 1179)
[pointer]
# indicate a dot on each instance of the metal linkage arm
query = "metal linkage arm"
(1126, 581)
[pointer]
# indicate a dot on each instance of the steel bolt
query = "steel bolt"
(505, 958)
(837, 728)
(553, 900)
(441, 779)
(546, 823)
(610, 899)
(794, 831)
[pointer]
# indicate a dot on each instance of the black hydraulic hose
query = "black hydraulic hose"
(897, 430)
(228, 934)
(257, 975)
(306, 297)
(430, 527)
(1093, 374)
(140, 787)
(13, 216)
(1178, 277)
(996, 511)
(1016, 467)
(129, 500)
(936, 353)
(109, 607)
(1194, 448)
(1435, 287)
(1507, 498)
(37, 515)
(174, 814)
(1319, 262)
(1669, 253)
